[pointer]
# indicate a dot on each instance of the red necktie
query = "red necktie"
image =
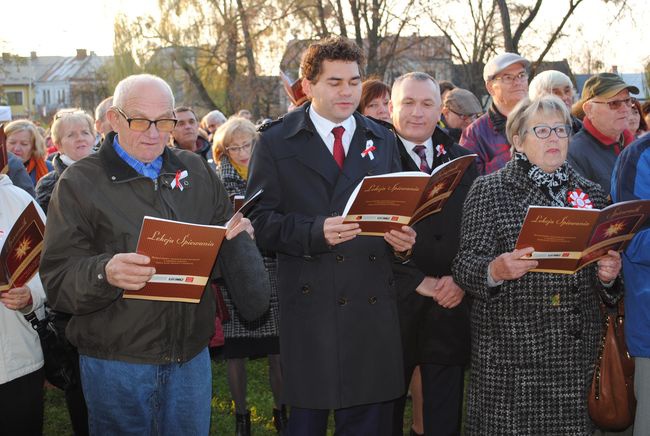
(339, 152)
(421, 151)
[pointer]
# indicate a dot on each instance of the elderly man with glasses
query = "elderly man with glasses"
(145, 367)
(506, 80)
(606, 104)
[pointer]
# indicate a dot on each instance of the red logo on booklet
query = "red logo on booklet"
(394, 218)
(189, 279)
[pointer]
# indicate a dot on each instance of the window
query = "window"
(14, 98)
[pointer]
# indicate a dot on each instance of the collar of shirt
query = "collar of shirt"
(607, 142)
(66, 159)
(324, 128)
(428, 149)
(151, 170)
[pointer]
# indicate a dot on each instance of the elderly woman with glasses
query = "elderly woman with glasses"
(232, 148)
(535, 335)
(24, 140)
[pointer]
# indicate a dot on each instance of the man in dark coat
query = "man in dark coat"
(339, 329)
(145, 366)
(434, 315)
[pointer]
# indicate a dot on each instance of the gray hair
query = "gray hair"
(216, 115)
(517, 123)
(126, 86)
(102, 108)
(415, 75)
(544, 82)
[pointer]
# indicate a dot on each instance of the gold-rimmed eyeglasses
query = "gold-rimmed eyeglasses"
(165, 125)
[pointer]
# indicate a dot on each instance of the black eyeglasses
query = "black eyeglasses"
(464, 117)
(616, 104)
(164, 125)
(543, 131)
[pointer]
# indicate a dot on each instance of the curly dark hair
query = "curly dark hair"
(334, 48)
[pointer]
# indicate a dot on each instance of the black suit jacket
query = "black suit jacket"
(431, 333)
(339, 328)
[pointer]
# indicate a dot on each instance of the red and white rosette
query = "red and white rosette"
(440, 150)
(580, 200)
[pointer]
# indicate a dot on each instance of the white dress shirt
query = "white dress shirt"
(428, 150)
(324, 128)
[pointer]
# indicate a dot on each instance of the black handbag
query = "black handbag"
(58, 353)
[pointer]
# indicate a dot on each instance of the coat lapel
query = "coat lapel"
(310, 149)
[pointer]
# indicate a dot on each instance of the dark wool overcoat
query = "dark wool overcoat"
(534, 339)
(339, 328)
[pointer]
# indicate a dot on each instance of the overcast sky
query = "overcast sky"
(54, 28)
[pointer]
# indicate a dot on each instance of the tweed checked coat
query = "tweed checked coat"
(534, 339)
(237, 326)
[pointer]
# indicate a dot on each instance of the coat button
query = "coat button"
(334, 213)
(370, 173)
(372, 258)
(391, 282)
(340, 258)
(308, 258)
(306, 289)
(372, 300)
(342, 301)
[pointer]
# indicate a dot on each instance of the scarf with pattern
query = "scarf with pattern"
(554, 185)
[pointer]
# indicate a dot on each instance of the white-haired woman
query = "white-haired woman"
(556, 83)
(535, 335)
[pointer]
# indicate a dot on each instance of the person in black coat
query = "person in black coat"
(433, 309)
(339, 329)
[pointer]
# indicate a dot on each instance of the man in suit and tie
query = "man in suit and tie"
(434, 314)
(339, 330)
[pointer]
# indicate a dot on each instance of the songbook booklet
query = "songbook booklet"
(183, 255)
(568, 239)
(390, 201)
(4, 159)
(21, 251)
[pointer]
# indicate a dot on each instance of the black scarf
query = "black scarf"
(554, 185)
(498, 119)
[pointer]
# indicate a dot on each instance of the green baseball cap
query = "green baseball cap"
(605, 85)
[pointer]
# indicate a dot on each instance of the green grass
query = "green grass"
(260, 402)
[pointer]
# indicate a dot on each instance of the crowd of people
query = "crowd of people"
(349, 323)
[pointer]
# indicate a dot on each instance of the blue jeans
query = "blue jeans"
(139, 399)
